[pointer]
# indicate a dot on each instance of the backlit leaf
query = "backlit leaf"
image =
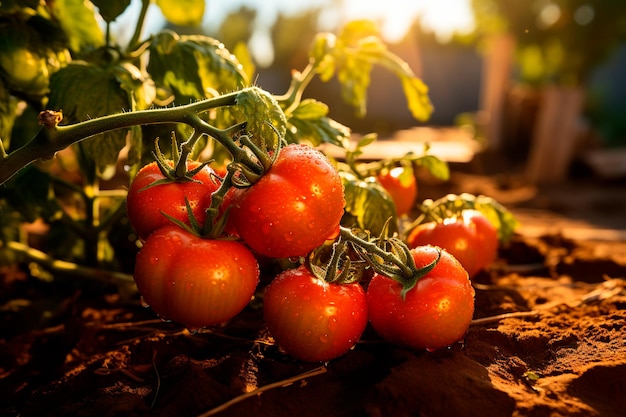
(182, 12)
(78, 20)
(84, 92)
(194, 67)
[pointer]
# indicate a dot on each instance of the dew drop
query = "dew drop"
(143, 303)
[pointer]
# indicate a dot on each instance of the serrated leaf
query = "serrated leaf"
(317, 131)
(416, 93)
(368, 205)
(78, 20)
(352, 56)
(264, 117)
(309, 109)
(84, 92)
(244, 58)
(437, 167)
(111, 9)
(194, 67)
(182, 12)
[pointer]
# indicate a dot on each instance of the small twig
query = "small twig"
(69, 267)
(278, 384)
(498, 317)
(158, 379)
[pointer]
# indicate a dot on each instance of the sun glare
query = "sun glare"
(442, 17)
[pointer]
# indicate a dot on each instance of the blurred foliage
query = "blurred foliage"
(559, 41)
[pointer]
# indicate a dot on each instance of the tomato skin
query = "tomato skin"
(435, 313)
(311, 319)
(401, 185)
(144, 206)
(294, 207)
(194, 281)
(471, 239)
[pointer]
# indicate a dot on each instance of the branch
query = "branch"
(52, 138)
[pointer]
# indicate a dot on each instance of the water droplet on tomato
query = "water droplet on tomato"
(288, 236)
(143, 302)
(324, 338)
(267, 227)
(431, 350)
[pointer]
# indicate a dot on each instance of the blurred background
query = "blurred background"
(539, 82)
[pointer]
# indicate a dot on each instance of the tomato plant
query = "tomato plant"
(469, 237)
(314, 320)
(148, 200)
(194, 281)
(294, 207)
(401, 185)
(435, 313)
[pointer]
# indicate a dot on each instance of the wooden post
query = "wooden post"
(495, 84)
(554, 139)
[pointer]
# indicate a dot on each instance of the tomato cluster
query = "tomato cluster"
(291, 210)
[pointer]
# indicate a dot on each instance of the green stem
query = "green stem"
(139, 26)
(406, 268)
(299, 82)
(51, 138)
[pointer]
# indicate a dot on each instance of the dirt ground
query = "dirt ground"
(548, 338)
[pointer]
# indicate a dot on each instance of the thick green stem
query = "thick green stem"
(51, 138)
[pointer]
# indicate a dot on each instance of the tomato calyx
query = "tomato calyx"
(355, 250)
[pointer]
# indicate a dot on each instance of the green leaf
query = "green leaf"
(138, 85)
(78, 20)
(352, 56)
(368, 205)
(309, 109)
(83, 92)
(194, 67)
(264, 117)
(182, 12)
(317, 131)
(30, 193)
(8, 114)
(111, 9)
(437, 167)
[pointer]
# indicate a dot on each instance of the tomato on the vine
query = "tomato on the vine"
(435, 313)
(145, 204)
(401, 185)
(194, 281)
(293, 207)
(470, 238)
(311, 319)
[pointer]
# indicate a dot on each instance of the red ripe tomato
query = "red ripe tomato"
(435, 313)
(144, 206)
(470, 238)
(311, 319)
(401, 185)
(194, 281)
(294, 207)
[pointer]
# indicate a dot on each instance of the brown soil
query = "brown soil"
(558, 350)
